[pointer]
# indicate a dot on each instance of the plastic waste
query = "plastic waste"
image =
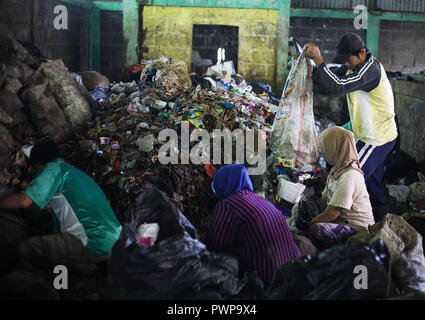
(147, 233)
(293, 133)
(26, 149)
(404, 244)
(307, 210)
(177, 266)
(400, 192)
(332, 275)
(417, 191)
(104, 140)
(145, 143)
(160, 104)
(98, 95)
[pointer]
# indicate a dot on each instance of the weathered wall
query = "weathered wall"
(410, 109)
(332, 107)
(17, 18)
(111, 44)
(402, 46)
(325, 32)
(69, 44)
(169, 31)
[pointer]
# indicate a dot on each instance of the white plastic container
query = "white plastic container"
(289, 191)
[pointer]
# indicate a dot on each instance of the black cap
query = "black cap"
(347, 46)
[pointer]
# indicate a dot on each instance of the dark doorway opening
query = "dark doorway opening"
(111, 44)
(207, 39)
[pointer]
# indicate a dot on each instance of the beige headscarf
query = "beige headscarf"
(339, 150)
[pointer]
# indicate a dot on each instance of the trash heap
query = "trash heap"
(120, 149)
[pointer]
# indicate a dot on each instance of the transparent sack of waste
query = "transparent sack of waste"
(404, 245)
(293, 134)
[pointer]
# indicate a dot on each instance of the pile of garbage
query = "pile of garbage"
(121, 148)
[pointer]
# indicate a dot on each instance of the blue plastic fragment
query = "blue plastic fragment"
(229, 105)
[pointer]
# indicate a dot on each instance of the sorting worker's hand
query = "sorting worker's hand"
(312, 51)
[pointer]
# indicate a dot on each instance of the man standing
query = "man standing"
(87, 225)
(370, 103)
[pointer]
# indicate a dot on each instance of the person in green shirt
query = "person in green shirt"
(87, 225)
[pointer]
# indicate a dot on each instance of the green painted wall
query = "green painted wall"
(94, 28)
(131, 31)
(81, 3)
(246, 4)
(106, 5)
(372, 34)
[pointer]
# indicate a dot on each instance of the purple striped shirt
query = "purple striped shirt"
(251, 228)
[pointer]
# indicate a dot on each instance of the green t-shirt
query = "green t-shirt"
(79, 205)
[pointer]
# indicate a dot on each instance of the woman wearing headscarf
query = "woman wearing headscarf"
(248, 226)
(348, 206)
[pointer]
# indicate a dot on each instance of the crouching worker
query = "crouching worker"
(248, 226)
(87, 224)
(348, 206)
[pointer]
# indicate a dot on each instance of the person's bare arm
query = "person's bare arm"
(329, 215)
(15, 201)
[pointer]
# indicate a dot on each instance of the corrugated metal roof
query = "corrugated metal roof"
(384, 5)
(401, 5)
(327, 4)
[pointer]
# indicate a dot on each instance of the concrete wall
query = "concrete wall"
(111, 44)
(402, 46)
(67, 45)
(15, 17)
(20, 20)
(410, 109)
(325, 32)
(169, 31)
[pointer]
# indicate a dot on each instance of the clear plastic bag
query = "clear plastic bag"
(293, 134)
(404, 244)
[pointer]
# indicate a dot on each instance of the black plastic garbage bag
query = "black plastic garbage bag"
(397, 165)
(177, 266)
(331, 275)
(404, 245)
(308, 209)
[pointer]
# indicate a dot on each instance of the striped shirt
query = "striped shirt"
(251, 228)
